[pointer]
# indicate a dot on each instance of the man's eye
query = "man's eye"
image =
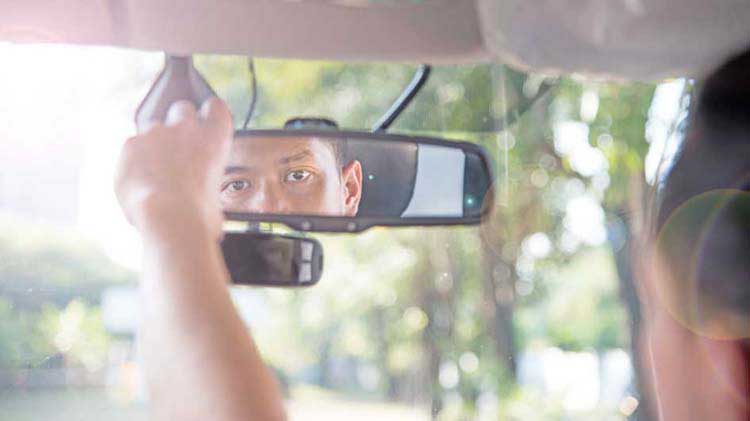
(236, 186)
(297, 176)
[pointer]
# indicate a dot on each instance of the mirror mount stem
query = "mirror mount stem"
(418, 81)
(178, 80)
(253, 227)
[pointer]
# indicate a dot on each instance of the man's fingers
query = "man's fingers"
(216, 120)
(216, 116)
(180, 111)
(145, 127)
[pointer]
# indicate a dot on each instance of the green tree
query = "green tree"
(413, 302)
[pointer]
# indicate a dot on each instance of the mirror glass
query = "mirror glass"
(355, 175)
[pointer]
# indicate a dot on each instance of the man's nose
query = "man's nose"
(267, 199)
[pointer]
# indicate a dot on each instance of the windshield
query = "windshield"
(528, 316)
(455, 98)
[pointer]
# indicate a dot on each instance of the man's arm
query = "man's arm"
(200, 360)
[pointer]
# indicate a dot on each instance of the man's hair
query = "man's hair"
(704, 211)
(339, 147)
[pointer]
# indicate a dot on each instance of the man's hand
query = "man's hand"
(199, 359)
(175, 168)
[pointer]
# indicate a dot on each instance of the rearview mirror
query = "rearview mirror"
(330, 180)
(267, 259)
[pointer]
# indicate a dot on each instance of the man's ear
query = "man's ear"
(351, 175)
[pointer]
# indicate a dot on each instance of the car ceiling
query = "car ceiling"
(630, 39)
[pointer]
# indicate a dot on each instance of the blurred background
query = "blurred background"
(527, 317)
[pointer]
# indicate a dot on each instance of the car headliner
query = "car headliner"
(632, 39)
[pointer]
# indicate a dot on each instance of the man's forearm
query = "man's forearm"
(192, 336)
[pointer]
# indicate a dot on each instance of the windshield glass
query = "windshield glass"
(528, 316)
(455, 98)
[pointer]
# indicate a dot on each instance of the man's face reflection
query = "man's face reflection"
(298, 176)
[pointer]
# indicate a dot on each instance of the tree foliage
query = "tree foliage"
(412, 302)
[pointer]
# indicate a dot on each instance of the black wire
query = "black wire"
(516, 113)
(254, 97)
(403, 101)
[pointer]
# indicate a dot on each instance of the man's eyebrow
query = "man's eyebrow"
(235, 169)
(296, 157)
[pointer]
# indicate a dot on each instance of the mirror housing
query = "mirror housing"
(403, 180)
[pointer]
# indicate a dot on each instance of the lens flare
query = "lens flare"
(702, 264)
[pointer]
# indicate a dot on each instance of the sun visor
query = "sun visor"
(634, 39)
(392, 30)
(629, 39)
